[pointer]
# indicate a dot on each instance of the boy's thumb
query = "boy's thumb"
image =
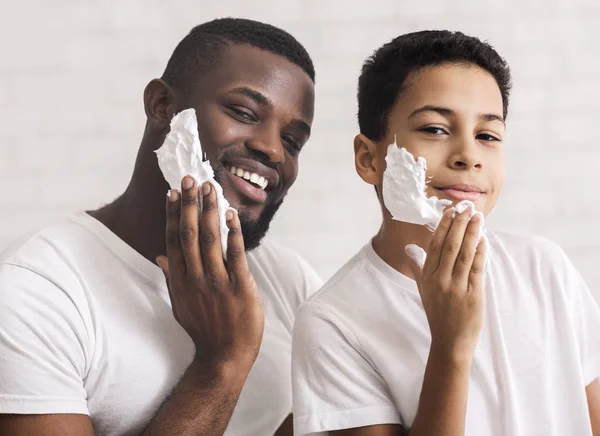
(418, 256)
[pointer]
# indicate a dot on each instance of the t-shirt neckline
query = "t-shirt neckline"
(119, 247)
(384, 268)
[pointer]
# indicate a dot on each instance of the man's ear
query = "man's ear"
(369, 164)
(160, 103)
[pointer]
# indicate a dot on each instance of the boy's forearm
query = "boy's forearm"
(443, 401)
(202, 403)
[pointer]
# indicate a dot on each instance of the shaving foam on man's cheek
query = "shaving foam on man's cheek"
(181, 155)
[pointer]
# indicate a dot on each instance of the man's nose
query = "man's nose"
(268, 142)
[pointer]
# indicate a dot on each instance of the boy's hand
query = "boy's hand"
(451, 285)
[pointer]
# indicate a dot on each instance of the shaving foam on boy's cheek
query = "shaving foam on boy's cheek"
(404, 195)
(404, 184)
(181, 155)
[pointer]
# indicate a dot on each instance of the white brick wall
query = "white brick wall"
(72, 75)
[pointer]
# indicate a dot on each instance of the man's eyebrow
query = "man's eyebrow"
(449, 112)
(254, 95)
(301, 125)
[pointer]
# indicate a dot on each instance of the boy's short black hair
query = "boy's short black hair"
(203, 48)
(384, 74)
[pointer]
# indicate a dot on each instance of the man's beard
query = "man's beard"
(253, 231)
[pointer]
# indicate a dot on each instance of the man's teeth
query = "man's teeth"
(251, 177)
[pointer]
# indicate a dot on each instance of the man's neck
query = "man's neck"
(138, 216)
(391, 239)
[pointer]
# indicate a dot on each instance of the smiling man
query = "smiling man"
(456, 346)
(93, 341)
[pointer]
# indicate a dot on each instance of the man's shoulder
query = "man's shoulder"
(48, 245)
(283, 271)
(50, 255)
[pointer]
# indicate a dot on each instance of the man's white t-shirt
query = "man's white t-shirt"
(361, 344)
(86, 327)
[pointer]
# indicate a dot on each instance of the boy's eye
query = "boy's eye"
(434, 130)
(487, 137)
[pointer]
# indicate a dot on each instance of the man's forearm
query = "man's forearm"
(443, 401)
(202, 402)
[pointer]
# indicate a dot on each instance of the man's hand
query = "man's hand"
(217, 303)
(451, 285)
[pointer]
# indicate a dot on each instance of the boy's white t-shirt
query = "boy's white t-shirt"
(361, 345)
(86, 327)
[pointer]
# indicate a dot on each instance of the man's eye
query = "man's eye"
(243, 115)
(434, 130)
(292, 143)
(487, 137)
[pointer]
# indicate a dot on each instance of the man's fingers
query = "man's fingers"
(476, 273)
(210, 236)
(465, 257)
(163, 264)
(453, 244)
(437, 242)
(173, 242)
(237, 263)
(189, 227)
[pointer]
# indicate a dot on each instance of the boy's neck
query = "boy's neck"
(391, 239)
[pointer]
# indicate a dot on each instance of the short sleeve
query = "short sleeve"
(43, 346)
(586, 318)
(334, 386)
(311, 281)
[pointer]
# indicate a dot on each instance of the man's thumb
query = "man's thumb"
(418, 256)
(163, 264)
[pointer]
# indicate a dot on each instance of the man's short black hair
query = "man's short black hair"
(384, 74)
(203, 48)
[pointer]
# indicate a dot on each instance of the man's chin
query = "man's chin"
(255, 229)
(255, 218)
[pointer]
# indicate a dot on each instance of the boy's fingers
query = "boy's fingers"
(437, 243)
(453, 244)
(476, 273)
(466, 255)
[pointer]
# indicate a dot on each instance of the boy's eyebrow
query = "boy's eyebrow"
(449, 112)
(492, 117)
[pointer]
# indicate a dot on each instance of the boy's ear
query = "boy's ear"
(369, 164)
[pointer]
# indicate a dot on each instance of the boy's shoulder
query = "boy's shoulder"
(524, 246)
(364, 280)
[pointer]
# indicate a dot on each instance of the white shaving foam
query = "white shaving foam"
(404, 184)
(181, 155)
(404, 195)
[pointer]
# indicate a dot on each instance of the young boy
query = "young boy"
(497, 337)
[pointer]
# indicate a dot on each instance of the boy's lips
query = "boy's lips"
(461, 191)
